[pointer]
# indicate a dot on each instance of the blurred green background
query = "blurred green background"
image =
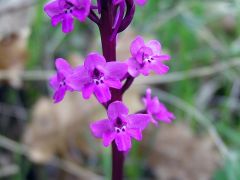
(202, 89)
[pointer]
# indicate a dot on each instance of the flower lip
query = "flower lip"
(120, 125)
(119, 122)
(68, 7)
(62, 83)
(98, 76)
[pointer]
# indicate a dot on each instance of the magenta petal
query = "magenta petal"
(153, 105)
(154, 121)
(135, 133)
(108, 137)
(76, 3)
(54, 82)
(100, 127)
(166, 117)
(67, 23)
(141, 2)
(116, 109)
(62, 4)
(155, 46)
(102, 92)
(142, 53)
(145, 70)
(114, 83)
(136, 45)
(123, 142)
(116, 70)
(133, 67)
(79, 78)
(87, 91)
(63, 66)
(57, 19)
(94, 60)
(52, 8)
(159, 67)
(139, 121)
(59, 94)
(163, 57)
(115, 2)
(79, 14)
(82, 9)
(148, 97)
(81, 3)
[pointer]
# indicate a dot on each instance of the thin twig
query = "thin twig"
(93, 17)
(15, 9)
(65, 165)
(194, 73)
(200, 117)
(8, 170)
(32, 75)
(40, 75)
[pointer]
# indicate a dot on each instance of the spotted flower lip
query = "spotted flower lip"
(97, 76)
(120, 126)
(139, 2)
(156, 109)
(147, 57)
(59, 82)
(64, 11)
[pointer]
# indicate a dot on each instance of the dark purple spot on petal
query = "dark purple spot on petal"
(119, 122)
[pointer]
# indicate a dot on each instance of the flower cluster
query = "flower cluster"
(147, 57)
(65, 11)
(103, 77)
(156, 109)
(120, 126)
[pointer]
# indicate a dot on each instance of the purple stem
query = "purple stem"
(129, 15)
(117, 163)
(105, 26)
(93, 17)
(109, 52)
(94, 7)
(127, 84)
(99, 6)
(118, 20)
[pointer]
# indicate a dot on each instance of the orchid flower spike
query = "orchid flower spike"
(147, 57)
(64, 11)
(156, 109)
(97, 76)
(120, 126)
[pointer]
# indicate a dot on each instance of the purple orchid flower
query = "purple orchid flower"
(59, 82)
(120, 126)
(139, 2)
(156, 109)
(97, 76)
(64, 11)
(146, 57)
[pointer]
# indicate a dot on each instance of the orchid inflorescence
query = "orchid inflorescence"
(105, 77)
